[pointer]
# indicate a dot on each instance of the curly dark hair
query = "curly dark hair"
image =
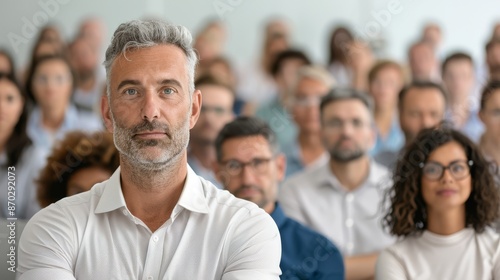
(78, 150)
(407, 212)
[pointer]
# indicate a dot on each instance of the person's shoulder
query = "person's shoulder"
(305, 235)
(490, 238)
(308, 176)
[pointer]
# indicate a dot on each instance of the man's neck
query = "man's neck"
(151, 195)
(204, 153)
(351, 174)
(311, 147)
(53, 118)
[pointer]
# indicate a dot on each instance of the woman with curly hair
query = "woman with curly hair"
(78, 162)
(442, 203)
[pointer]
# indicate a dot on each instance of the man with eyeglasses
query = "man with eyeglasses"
(306, 151)
(216, 111)
(250, 166)
(341, 198)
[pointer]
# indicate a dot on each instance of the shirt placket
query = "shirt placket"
(349, 223)
(154, 256)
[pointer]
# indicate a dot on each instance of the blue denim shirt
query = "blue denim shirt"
(306, 254)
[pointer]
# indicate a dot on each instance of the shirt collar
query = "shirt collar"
(376, 174)
(192, 197)
(278, 216)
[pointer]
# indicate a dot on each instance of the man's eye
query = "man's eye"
(168, 91)
(131, 91)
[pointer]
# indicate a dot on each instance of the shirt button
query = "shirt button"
(349, 197)
(124, 212)
(150, 277)
(155, 238)
(349, 222)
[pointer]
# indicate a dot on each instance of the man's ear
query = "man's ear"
(106, 113)
(195, 108)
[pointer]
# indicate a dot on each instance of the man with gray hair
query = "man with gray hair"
(341, 199)
(154, 218)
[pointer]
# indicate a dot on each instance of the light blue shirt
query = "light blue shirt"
(280, 121)
(393, 142)
(73, 120)
(472, 128)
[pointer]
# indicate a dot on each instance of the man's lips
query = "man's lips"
(151, 135)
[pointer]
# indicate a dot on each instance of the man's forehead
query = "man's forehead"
(247, 146)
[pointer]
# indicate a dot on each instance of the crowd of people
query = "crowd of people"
(370, 168)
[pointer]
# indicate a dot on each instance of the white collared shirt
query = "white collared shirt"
(210, 235)
(350, 219)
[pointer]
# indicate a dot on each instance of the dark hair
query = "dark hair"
(338, 49)
(339, 94)
(419, 85)
(491, 43)
(19, 140)
(78, 150)
(246, 126)
(384, 64)
(7, 55)
(407, 213)
(488, 91)
(285, 55)
(212, 81)
(456, 56)
(37, 63)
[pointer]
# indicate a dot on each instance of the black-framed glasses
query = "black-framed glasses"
(235, 167)
(434, 171)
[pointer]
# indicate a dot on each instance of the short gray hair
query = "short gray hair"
(137, 34)
(317, 73)
(339, 94)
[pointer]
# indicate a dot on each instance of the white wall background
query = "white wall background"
(466, 24)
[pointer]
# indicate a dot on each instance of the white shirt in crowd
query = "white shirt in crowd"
(26, 171)
(462, 255)
(350, 219)
(210, 235)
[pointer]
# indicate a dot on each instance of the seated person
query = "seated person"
(442, 203)
(20, 160)
(251, 167)
(77, 163)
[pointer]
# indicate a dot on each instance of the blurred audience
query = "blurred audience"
(489, 114)
(432, 35)
(421, 105)
(442, 203)
(360, 59)
(7, 66)
(493, 58)
(76, 163)
(90, 81)
(20, 160)
(276, 112)
(306, 149)
(50, 86)
(216, 111)
(423, 63)
(459, 81)
(256, 82)
(209, 43)
(385, 81)
(341, 198)
(338, 55)
(249, 142)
